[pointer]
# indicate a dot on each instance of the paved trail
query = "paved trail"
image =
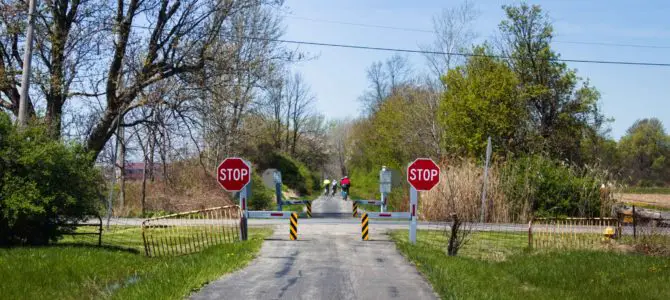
(328, 262)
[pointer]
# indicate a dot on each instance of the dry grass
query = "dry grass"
(510, 192)
(187, 187)
(659, 200)
(460, 191)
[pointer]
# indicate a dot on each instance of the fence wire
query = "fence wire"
(498, 241)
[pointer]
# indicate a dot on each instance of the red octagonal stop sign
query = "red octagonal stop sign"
(233, 174)
(423, 174)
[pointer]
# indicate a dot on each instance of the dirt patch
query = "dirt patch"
(660, 200)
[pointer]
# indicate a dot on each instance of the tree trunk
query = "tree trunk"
(54, 115)
(121, 164)
(454, 239)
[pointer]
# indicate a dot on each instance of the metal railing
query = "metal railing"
(572, 233)
(192, 231)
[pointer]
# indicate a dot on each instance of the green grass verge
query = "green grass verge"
(293, 207)
(647, 190)
(543, 275)
(648, 206)
(79, 272)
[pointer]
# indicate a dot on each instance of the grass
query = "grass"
(647, 190)
(117, 236)
(76, 272)
(293, 207)
(538, 275)
(648, 206)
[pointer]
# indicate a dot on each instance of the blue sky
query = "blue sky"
(337, 76)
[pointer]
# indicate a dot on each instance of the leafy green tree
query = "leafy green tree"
(646, 152)
(44, 185)
(561, 107)
(482, 100)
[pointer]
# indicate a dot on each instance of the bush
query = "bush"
(294, 173)
(43, 184)
(261, 198)
(553, 188)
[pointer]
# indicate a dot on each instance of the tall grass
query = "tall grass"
(517, 190)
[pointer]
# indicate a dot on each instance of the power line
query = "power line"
(364, 47)
(607, 62)
(433, 32)
(361, 24)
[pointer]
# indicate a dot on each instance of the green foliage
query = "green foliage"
(294, 173)
(365, 185)
(551, 188)
(43, 183)
(646, 153)
(262, 198)
(560, 106)
(482, 100)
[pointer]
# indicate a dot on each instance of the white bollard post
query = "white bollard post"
(413, 200)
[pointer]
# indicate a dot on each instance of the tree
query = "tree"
(646, 152)
(482, 100)
(561, 108)
(453, 33)
(385, 79)
(298, 101)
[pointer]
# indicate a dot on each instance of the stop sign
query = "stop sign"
(423, 174)
(233, 174)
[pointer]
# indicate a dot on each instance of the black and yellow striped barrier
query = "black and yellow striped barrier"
(355, 209)
(364, 227)
(309, 209)
(293, 232)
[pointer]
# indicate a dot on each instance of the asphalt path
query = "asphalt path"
(328, 261)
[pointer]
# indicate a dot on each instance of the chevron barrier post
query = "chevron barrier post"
(364, 227)
(355, 208)
(309, 208)
(293, 231)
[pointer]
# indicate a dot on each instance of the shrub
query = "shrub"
(553, 188)
(261, 198)
(294, 173)
(43, 184)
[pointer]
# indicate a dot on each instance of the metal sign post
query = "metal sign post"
(385, 181)
(278, 195)
(413, 200)
(482, 217)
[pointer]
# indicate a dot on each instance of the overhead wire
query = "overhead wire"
(607, 44)
(362, 47)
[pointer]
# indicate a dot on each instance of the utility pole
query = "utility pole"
(482, 217)
(27, 57)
